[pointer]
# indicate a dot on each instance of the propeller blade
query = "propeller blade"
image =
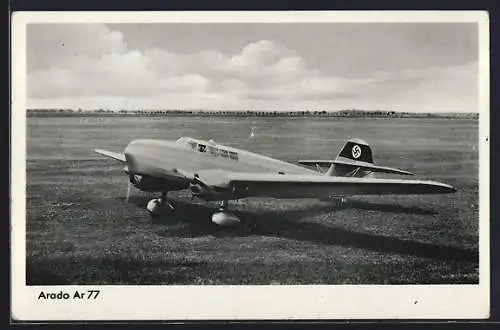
(128, 191)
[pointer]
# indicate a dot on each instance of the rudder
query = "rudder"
(354, 153)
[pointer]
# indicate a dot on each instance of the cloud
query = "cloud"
(54, 44)
(91, 66)
(258, 55)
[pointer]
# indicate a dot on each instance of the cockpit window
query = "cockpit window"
(207, 147)
(187, 141)
(223, 153)
(212, 151)
(233, 155)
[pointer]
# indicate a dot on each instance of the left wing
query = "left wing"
(111, 154)
(317, 186)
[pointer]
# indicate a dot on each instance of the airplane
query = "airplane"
(215, 172)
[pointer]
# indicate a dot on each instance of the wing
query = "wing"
(111, 154)
(318, 186)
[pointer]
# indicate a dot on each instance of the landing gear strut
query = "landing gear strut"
(223, 217)
(223, 206)
(340, 201)
(155, 206)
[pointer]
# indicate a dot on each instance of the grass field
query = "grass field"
(80, 231)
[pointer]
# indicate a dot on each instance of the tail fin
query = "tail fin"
(356, 149)
(353, 152)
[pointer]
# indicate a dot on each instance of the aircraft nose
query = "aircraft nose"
(130, 155)
(147, 155)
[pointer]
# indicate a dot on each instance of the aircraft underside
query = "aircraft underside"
(161, 206)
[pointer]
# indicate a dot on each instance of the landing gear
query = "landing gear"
(223, 206)
(339, 201)
(224, 218)
(156, 205)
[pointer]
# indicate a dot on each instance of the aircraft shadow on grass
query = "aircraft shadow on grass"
(193, 220)
(387, 208)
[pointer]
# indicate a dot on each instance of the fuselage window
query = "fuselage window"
(212, 151)
(233, 155)
(202, 147)
(223, 153)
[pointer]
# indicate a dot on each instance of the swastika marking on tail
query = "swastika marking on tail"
(356, 151)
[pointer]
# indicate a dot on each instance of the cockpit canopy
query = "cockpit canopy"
(194, 142)
(210, 147)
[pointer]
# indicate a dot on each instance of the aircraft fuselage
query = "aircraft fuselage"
(164, 157)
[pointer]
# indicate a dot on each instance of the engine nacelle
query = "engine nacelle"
(148, 183)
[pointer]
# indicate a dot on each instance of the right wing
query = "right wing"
(111, 154)
(318, 186)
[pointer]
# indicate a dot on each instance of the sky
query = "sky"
(417, 67)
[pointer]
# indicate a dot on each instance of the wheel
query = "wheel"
(154, 206)
(225, 219)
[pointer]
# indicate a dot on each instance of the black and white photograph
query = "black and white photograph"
(218, 160)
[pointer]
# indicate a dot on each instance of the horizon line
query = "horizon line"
(248, 110)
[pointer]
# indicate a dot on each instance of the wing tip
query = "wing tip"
(443, 188)
(451, 189)
(117, 156)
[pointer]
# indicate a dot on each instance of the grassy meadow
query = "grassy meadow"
(80, 231)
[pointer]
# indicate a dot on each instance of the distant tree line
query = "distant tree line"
(246, 113)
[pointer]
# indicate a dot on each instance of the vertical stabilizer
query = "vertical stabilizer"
(354, 150)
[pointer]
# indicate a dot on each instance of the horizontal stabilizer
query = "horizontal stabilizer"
(354, 163)
(320, 162)
(115, 155)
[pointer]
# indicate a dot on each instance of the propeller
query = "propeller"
(129, 185)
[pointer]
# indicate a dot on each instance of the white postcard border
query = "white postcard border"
(175, 302)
